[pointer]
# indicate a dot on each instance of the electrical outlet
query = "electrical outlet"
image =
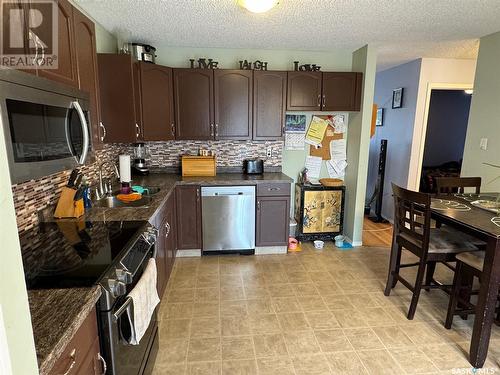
(483, 145)
(269, 152)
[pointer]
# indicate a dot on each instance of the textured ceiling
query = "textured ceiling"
(402, 30)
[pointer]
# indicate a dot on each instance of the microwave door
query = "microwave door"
(77, 132)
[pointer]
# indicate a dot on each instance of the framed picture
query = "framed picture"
(379, 121)
(397, 98)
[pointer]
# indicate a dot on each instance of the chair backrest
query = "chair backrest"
(412, 217)
(451, 185)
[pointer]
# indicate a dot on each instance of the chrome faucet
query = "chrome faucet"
(105, 188)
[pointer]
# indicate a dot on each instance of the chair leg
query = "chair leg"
(417, 288)
(393, 267)
(455, 292)
(431, 267)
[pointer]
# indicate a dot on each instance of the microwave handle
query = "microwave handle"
(85, 131)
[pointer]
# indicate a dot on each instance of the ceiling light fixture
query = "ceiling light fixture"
(469, 91)
(258, 6)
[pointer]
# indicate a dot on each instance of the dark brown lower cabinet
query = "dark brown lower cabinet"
(82, 354)
(161, 258)
(188, 204)
(272, 220)
(166, 244)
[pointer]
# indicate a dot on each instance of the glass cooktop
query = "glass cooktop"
(73, 254)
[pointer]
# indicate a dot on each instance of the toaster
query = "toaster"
(253, 166)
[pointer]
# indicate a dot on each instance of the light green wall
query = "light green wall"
(178, 57)
(358, 146)
(13, 295)
(484, 118)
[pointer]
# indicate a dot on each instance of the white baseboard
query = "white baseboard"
(268, 250)
(188, 253)
(353, 243)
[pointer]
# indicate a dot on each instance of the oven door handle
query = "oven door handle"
(85, 131)
(126, 305)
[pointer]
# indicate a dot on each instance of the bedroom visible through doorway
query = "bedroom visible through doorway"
(447, 120)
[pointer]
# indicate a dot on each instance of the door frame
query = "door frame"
(421, 141)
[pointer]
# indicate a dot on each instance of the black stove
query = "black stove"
(68, 254)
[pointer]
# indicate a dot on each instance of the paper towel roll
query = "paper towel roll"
(125, 168)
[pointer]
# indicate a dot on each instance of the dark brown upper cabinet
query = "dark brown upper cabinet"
(269, 101)
(136, 99)
(194, 104)
(116, 85)
(86, 59)
(157, 105)
(188, 212)
(66, 71)
(233, 104)
(341, 91)
(324, 91)
(304, 91)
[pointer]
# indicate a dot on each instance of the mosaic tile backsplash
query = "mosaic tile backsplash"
(35, 195)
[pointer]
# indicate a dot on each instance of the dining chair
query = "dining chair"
(413, 232)
(452, 185)
(469, 265)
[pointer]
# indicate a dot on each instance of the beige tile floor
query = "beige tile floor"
(313, 312)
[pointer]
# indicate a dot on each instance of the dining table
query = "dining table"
(463, 212)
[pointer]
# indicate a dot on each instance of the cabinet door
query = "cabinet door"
(157, 102)
(269, 98)
(161, 258)
(272, 221)
(304, 91)
(188, 217)
(233, 104)
(86, 59)
(194, 102)
(342, 91)
(66, 71)
(116, 86)
(171, 240)
(331, 213)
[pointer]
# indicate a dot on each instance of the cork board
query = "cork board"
(324, 150)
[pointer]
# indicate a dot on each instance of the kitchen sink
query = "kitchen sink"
(151, 190)
(113, 202)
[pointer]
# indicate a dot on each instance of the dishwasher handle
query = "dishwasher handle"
(228, 194)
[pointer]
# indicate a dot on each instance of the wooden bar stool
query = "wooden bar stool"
(468, 264)
(412, 232)
(453, 185)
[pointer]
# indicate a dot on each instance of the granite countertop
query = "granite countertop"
(167, 182)
(56, 315)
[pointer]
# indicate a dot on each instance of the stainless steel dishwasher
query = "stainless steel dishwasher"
(228, 218)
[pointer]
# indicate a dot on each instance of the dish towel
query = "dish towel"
(144, 300)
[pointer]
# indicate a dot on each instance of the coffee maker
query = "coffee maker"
(139, 166)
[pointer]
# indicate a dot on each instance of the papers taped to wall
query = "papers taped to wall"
(313, 165)
(316, 131)
(295, 141)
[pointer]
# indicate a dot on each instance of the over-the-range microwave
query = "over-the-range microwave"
(45, 125)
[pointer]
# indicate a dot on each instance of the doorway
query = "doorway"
(447, 120)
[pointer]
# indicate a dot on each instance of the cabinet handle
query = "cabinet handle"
(167, 228)
(172, 127)
(216, 130)
(324, 101)
(72, 355)
(197, 194)
(319, 100)
(274, 189)
(258, 205)
(103, 361)
(103, 136)
(137, 131)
